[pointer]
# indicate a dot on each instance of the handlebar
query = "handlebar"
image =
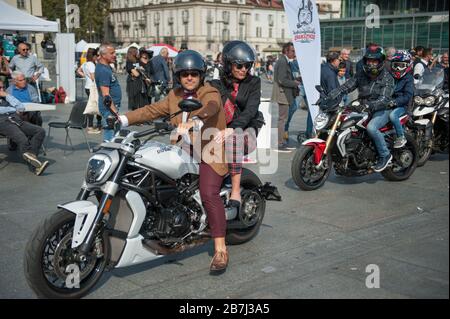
(166, 130)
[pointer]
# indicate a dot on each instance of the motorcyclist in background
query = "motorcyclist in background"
(401, 70)
(376, 88)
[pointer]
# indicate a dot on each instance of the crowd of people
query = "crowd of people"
(18, 85)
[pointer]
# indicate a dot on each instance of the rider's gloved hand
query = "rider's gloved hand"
(361, 108)
(111, 122)
(392, 104)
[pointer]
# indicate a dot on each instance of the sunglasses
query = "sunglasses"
(400, 66)
(25, 49)
(247, 65)
(194, 74)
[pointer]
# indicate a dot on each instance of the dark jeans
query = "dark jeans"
(379, 119)
(90, 117)
(27, 136)
(210, 185)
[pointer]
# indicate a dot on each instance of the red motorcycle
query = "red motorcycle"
(343, 142)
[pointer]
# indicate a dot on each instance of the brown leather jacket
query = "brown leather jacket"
(211, 114)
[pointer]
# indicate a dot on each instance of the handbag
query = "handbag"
(92, 103)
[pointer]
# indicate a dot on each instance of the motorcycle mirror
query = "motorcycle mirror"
(189, 105)
(160, 126)
(319, 89)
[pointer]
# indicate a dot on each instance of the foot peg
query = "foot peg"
(270, 192)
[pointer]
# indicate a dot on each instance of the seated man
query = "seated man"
(27, 136)
(25, 93)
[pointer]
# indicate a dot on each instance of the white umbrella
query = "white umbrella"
(125, 50)
(79, 47)
(156, 48)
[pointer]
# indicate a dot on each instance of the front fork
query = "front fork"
(330, 138)
(110, 189)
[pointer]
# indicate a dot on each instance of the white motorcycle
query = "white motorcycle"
(138, 202)
(430, 114)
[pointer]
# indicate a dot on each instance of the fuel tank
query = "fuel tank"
(168, 159)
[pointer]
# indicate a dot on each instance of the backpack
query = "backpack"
(60, 95)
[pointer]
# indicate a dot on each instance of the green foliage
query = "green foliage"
(92, 16)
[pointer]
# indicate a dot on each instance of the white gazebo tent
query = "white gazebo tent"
(13, 19)
(125, 50)
(79, 47)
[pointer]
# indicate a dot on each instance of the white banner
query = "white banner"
(303, 20)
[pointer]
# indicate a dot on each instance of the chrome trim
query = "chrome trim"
(110, 188)
(341, 141)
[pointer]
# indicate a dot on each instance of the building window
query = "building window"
(257, 17)
(258, 32)
(270, 32)
(21, 4)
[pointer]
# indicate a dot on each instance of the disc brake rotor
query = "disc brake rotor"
(249, 213)
(65, 256)
(405, 159)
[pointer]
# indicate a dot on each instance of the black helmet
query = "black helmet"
(189, 60)
(236, 52)
(374, 52)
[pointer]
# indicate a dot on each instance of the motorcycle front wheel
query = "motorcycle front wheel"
(51, 267)
(304, 171)
(425, 152)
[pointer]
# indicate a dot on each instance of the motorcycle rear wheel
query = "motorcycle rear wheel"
(48, 254)
(395, 173)
(249, 182)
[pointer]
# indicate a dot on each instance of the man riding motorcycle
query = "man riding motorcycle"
(376, 88)
(190, 68)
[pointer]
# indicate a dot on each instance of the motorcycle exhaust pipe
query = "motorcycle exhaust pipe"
(429, 131)
(159, 249)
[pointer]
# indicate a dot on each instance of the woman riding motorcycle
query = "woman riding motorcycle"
(376, 87)
(241, 95)
(401, 67)
(190, 68)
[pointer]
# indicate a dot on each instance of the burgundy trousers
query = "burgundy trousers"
(210, 184)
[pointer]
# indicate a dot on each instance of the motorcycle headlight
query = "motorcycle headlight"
(321, 121)
(418, 100)
(98, 166)
(429, 101)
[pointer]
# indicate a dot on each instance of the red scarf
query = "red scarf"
(189, 95)
(230, 106)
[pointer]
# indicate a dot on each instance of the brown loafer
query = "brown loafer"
(219, 263)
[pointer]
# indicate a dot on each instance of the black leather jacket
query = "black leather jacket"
(376, 93)
(247, 101)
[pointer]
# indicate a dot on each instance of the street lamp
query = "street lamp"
(156, 21)
(413, 35)
(91, 33)
(185, 18)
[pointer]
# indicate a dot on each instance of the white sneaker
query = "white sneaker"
(400, 142)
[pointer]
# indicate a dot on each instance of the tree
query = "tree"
(92, 16)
